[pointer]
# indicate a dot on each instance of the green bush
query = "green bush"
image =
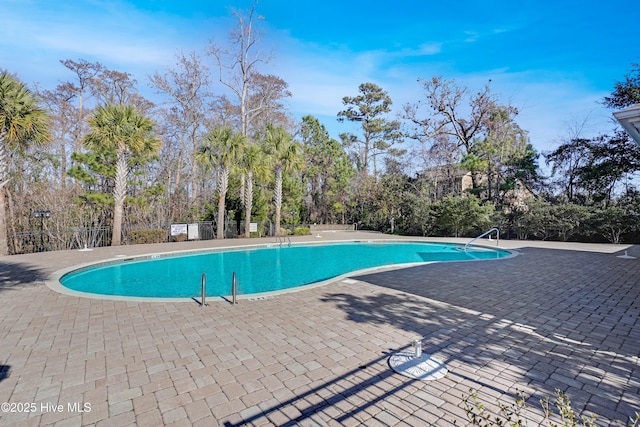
(460, 215)
(154, 235)
(515, 414)
(302, 231)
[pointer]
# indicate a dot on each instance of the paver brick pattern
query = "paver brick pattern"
(545, 319)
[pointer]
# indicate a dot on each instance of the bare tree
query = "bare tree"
(112, 87)
(238, 61)
(438, 165)
(63, 118)
(265, 101)
(571, 155)
(187, 87)
(85, 72)
(447, 114)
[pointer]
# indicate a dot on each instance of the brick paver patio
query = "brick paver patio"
(558, 315)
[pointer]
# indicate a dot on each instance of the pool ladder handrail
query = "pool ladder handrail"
(203, 298)
(234, 290)
(488, 232)
(280, 240)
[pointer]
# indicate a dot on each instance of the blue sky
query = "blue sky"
(554, 60)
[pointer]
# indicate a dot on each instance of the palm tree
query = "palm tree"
(285, 156)
(123, 129)
(222, 148)
(22, 123)
(253, 163)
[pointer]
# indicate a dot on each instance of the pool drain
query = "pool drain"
(418, 365)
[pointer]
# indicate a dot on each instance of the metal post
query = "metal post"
(234, 288)
(41, 234)
(204, 290)
(42, 214)
(417, 347)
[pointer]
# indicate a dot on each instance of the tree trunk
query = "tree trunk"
(475, 182)
(11, 226)
(220, 227)
(248, 203)
(4, 238)
(223, 182)
(193, 190)
(63, 164)
(4, 177)
(174, 196)
(116, 236)
(490, 184)
(277, 199)
(119, 194)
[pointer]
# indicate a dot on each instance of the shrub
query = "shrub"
(569, 218)
(459, 215)
(302, 231)
(514, 414)
(613, 221)
(143, 236)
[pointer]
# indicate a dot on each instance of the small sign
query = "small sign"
(177, 229)
(253, 227)
(193, 233)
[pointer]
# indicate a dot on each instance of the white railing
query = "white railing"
(484, 234)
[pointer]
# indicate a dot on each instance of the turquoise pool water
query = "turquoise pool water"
(258, 270)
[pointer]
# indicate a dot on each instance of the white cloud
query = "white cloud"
(471, 36)
(430, 48)
(116, 49)
(102, 32)
(319, 79)
(547, 102)
(320, 76)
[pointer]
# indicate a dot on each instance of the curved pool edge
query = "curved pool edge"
(53, 281)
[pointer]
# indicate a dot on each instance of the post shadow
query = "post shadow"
(4, 372)
(338, 397)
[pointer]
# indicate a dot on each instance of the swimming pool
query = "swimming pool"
(258, 269)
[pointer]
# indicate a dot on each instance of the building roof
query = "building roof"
(629, 118)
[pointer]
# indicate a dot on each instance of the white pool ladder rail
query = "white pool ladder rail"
(484, 234)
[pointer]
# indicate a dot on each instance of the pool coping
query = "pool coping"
(53, 281)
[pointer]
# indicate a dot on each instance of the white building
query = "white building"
(629, 118)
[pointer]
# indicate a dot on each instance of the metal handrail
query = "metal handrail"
(234, 289)
(280, 240)
(484, 234)
(203, 300)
